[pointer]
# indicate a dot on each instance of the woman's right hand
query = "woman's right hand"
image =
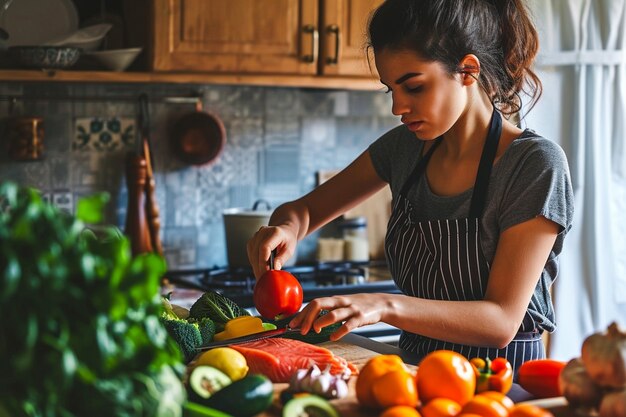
(264, 241)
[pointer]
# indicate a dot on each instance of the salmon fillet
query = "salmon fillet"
(279, 358)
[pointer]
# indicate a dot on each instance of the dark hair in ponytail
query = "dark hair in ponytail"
(499, 32)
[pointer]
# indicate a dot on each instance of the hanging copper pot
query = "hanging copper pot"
(198, 138)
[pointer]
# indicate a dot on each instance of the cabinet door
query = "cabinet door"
(343, 35)
(238, 36)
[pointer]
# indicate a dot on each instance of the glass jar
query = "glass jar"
(354, 234)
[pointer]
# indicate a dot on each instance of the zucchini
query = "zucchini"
(246, 397)
(311, 337)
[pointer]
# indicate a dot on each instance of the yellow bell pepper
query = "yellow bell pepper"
(240, 326)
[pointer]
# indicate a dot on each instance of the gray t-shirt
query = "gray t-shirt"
(530, 179)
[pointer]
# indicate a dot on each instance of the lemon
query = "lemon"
(227, 360)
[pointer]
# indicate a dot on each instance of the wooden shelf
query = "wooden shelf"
(278, 80)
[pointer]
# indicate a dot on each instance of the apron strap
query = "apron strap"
(419, 169)
(479, 195)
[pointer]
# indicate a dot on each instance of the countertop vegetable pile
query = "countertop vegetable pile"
(445, 384)
(80, 333)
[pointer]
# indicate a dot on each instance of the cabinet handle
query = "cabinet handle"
(334, 29)
(310, 29)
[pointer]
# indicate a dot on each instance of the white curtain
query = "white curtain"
(582, 64)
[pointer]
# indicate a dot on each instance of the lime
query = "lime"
(227, 360)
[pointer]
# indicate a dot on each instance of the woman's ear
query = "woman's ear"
(469, 67)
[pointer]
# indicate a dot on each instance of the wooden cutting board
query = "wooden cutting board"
(348, 406)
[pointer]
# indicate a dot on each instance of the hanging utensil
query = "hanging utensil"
(151, 207)
(198, 137)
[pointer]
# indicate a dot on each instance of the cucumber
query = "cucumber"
(311, 337)
(309, 405)
(246, 397)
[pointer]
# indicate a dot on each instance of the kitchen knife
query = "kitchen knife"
(250, 338)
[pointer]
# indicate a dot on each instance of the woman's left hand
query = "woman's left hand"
(353, 310)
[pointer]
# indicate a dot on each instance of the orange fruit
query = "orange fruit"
(373, 369)
(485, 407)
(447, 374)
(395, 388)
(400, 411)
(440, 407)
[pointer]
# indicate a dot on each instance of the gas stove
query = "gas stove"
(317, 280)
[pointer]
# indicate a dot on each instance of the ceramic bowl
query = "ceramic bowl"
(44, 57)
(88, 38)
(116, 59)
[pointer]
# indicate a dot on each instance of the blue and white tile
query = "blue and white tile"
(242, 195)
(211, 202)
(104, 134)
(235, 102)
(369, 103)
(245, 132)
(179, 247)
(277, 194)
(36, 174)
(63, 200)
(59, 170)
(282, 102)
(281, 130)
(317, 103)
(317, 133)
(211, 248)
(281, 164)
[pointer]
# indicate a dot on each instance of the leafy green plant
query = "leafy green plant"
(79, 316)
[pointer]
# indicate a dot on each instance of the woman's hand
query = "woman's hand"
(353, 310)
(266, 239)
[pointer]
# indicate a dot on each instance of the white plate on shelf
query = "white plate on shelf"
(35, 22)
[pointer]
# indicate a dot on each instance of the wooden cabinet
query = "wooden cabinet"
(289, 43)
(291, 37)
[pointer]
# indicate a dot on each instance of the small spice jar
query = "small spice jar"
(354, 232)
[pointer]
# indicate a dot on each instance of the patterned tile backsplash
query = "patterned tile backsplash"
(277, 139)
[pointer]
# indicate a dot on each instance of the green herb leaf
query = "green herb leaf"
(90, 209)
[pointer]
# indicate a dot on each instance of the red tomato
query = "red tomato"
(540, 377)
(277, 294)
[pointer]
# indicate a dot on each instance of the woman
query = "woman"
(480, 207)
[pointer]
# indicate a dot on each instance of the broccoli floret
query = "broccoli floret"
(206, 327)
(186, 335)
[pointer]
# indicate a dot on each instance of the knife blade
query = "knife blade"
(249, 338)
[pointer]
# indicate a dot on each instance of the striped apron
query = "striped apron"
(443, 260)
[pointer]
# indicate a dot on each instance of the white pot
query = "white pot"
(240, 224)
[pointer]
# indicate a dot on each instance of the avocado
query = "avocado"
(204, 381)
(311, 405)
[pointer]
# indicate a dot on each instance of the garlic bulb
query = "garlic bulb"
(578, 387)
(604, 357)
